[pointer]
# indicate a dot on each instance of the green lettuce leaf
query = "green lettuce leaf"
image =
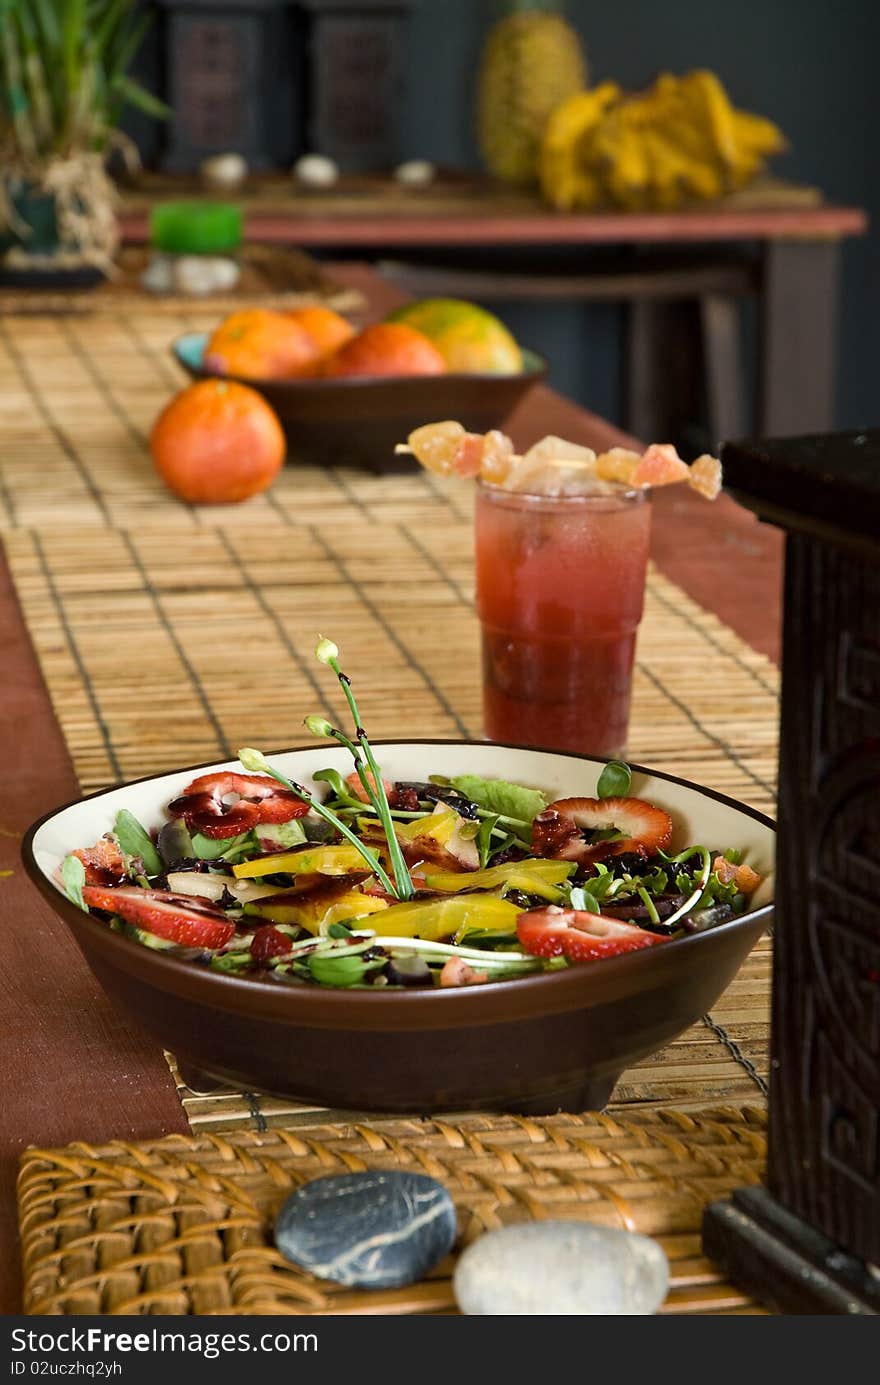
(498, 796)
(281, 833)
(73, 876)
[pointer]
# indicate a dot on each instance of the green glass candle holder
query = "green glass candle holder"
(196, 228)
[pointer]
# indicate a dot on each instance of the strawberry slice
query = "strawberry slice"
(269, 942)
(579, 936)
(103, 862)
(646, 829)
(181, 919)
(225, 804)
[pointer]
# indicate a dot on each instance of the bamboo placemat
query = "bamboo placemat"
(161, 654)
(183, 1225)
(170, 635)
(271, 276)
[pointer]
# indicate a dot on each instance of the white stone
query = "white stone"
(200, 275)
(561, 1269)
(225, 172)
(415, 173)
(316, 171)
(158, 277)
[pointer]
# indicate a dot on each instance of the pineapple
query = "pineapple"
(532, 61)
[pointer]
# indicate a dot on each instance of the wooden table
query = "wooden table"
(466, 237)
(95, 1077)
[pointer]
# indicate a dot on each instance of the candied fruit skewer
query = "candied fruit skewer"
(448, 449)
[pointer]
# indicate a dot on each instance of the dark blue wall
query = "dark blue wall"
(811, 65)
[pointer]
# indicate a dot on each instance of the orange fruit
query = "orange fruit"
(386, 348)
(217, 442)
(326, 329)
(259, 344)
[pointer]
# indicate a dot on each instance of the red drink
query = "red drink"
(560, 592)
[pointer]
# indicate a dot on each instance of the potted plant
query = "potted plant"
(63, 84)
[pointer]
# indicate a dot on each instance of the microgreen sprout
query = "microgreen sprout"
(584, 900)
(648, 903)
(256, 763)
(327, 653)
(705, 872)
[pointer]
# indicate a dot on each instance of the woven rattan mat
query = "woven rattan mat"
(182, 1225)
(271, 276)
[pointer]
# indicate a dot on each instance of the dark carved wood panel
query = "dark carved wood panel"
(234, 80)
(825, 1082)
(357, 65)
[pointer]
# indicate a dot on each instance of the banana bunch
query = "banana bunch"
(681, 141)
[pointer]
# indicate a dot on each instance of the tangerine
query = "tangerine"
(259, 344)
(386, 348)
(327, 330)
(217, 442)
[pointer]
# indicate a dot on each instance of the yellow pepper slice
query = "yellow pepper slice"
(310, 913)
(318, 860)
(440, 826)
(433, 919)
(532, 877)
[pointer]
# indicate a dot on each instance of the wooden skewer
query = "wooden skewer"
(403, 449)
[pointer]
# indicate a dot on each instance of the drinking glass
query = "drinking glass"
(560, 593)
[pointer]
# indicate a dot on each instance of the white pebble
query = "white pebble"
(224, 171)
(158, 277)
(316, 171)
(415, 173)
(200, 275)
(562, 1269)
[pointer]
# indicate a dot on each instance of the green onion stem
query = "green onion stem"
(376, 792)
(328, 815)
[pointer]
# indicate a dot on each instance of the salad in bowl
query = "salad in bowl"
(410, 926)
(434, 882)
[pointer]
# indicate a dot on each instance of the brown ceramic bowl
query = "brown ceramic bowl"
(356, 422)
(551, 1042)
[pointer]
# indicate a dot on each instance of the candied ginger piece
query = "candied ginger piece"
(553, 467)
(436, 445)
(660, 466)
(497, 458)
(553, 449)
(557, 479)
(704, 476)
(618, 464)
(469, 456)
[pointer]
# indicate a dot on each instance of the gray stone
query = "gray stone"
(562, 1269)
(372, 1230)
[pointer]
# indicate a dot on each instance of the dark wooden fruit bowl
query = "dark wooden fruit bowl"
(356, 422)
